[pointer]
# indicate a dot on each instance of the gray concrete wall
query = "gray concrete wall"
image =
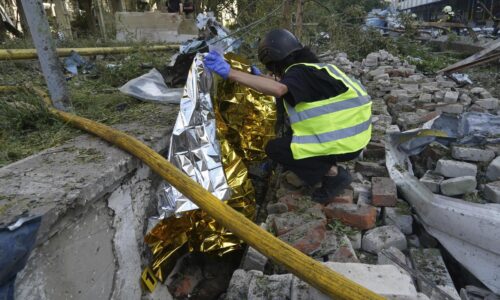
(154, 27)
(95, 201)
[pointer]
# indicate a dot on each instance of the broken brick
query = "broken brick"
(295, 201)
(384, 191)
(306, 238)
(345, 252)
(361, 217)
(285, 222)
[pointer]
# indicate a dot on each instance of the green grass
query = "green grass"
(26, 127)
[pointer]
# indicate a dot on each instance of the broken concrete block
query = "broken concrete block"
(477, 90)
(458, 185)
(439, 96)
(383, 237)
(371, 60)
(381, 77)
(384, 192)
(472, 154)
(238, 286)
(451, 108)
(489, 104)
(306, 238)
(253, 260)
(492, 191)
(344, 253)
(355, 240)
(431, 264)
(261, 287)
(370, 169)
(493, 171)
(465, 99)
(399, 217)
(410, 88)
(425, 98)
(432, 181)
(300, 290)
(416, 77)
(361, 188)
(446, 84)
(361, 217)
(386, 280)
(453, 168)
(377, 72)
(430, 87)
(451, 97)
(384, 260)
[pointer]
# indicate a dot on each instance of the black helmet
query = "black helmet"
(276, 45)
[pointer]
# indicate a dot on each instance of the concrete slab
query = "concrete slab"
(94, 200)
(385, 280)
(154, 27)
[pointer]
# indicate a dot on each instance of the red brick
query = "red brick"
(345, 197)
(361, 217)
(295, 201)
(345, 253)
(384, 191)
(308, 237)
(285, 222)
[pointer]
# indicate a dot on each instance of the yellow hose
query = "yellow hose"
(13, 54)
(303, 266)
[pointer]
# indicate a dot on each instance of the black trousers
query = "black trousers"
(312, 169)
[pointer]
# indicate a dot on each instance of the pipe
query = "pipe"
(303, 266)
(14, 54)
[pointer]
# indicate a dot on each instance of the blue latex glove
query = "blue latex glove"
(255, 71)
(216, 63)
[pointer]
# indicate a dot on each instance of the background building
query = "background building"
(465, 10)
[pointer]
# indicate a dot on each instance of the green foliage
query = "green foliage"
(340, 229)
(426, 60)
(26, 127)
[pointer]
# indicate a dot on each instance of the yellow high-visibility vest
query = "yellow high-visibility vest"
(337, 125)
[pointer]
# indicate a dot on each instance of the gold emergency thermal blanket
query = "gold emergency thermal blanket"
(211, 142)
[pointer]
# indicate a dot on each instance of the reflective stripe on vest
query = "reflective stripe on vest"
(341, 124)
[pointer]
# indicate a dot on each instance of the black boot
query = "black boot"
(332, 186)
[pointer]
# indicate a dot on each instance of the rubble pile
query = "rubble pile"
(353, 231)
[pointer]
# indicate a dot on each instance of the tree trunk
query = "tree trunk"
(24, 22)
(298, 19)
(287, 15)
(62, 19)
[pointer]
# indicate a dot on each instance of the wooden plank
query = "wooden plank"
(489, 49)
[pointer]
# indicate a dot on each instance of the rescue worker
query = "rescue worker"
(329, 113)
(447, 15)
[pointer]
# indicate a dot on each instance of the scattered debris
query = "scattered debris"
(151, 87)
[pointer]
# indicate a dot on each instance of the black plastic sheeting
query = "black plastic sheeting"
(15, 248)
(472, 128)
